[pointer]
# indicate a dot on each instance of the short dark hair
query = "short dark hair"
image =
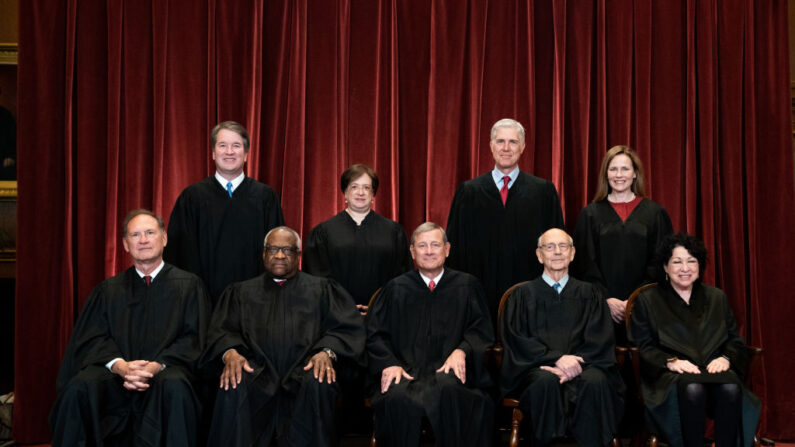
(665, 250)
(231, 126)
(355, 171)
(135, 213)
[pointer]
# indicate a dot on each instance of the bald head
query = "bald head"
(556, 251)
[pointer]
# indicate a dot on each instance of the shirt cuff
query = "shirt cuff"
(110, 364)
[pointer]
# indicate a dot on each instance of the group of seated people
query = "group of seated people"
(287, 350)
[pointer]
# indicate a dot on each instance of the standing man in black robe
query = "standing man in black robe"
(559, 355)
(496, 218)
(273, 340)
(217, 225)
(427, 332)
(127, 373)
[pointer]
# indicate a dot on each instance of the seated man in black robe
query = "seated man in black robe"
(559, 356)
(427, 332)
(127, 373)
(273, 339)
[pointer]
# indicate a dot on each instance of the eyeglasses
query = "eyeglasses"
(563, 246)
(432, 245)
(274, 249)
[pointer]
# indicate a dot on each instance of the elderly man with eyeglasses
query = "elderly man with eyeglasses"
(274, 339)
(559, 358)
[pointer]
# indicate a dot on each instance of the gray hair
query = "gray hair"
(509, 123)
(571, 241)
(287, 229)
(426, 227)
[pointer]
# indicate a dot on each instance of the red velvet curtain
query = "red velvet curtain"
(117, 99)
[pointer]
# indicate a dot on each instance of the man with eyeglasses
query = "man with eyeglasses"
(273, 341)
(559, 358)
(496, 217)
(427, 332)
(217, 224)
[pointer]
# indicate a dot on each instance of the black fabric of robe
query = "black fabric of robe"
(538, 326)
(278, 329)
(617, 255)
(417, 329)
(361, 258)
(218, 237)
(123, 318)
(497, 243)
(663, 326)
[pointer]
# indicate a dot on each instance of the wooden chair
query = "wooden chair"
(754, 354)
(513, 404)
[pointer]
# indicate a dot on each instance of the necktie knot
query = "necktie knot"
(148, 279)
(504, 190)
(431, 285)
(229, 188)
(557, 287)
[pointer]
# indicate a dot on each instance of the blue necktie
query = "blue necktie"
(229, 188)
(557, 287)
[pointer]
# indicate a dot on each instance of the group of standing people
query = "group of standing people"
(220, 295)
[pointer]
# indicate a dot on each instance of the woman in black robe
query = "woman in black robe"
(616, 235)
(359, 248)
(692, 357)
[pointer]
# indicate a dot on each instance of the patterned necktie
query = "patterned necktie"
(229, 188)
(431, 285)
(557, 287)
(504, 189)
(148, 280)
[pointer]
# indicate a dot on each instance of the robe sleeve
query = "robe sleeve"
(478, 336)
(224, 332)
(91, 342)
(343, 326)
(274, 217)
(187, 348)
(555, 211)
(524, 350)
(379, 344)
(404, 262)
(598, 347)
(182, 249)
(455, 231)
(643, 335)
(586, 240)
(316, 257)
(734, 348)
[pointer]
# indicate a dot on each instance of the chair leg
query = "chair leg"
(615, 442)
(373, 442)
(516, 420)
(653, 441)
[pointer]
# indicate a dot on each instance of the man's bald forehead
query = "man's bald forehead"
(554, 232)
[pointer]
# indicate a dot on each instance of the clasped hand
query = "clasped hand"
(136, 374)
(566, 368)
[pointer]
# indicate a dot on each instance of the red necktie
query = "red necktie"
(504, 189)
(148, 280)
(431, 285)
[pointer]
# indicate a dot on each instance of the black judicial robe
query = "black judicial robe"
(497, 243)
(123, 318)
(617, 255)
(278, 329)
(219, 237)
(662, 326)
(538, 326)
(361, 258)
(417, 329)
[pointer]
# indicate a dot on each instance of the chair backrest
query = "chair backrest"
(502, 305)
(372, 298)
(631, 301)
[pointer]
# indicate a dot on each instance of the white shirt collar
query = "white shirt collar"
(428, 280)
(497, 175)
(154, 272)
(563, 281)
(235, 181)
